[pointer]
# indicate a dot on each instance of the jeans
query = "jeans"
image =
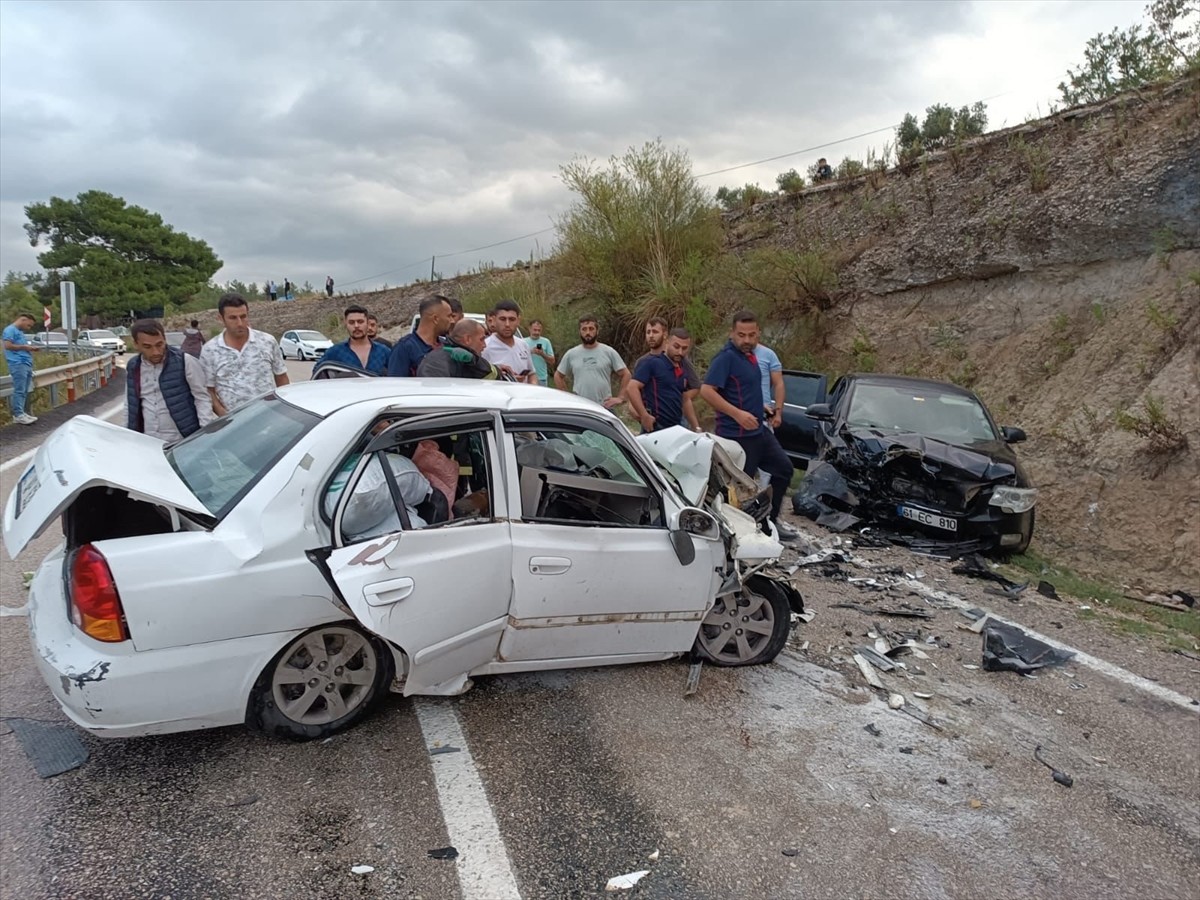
(22, 377)
(764, 452)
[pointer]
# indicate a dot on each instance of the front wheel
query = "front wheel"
(747, 628)
(322, 682)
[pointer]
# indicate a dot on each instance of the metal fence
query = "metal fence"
(72, 380)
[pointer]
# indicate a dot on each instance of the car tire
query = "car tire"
(294, 697)
(747, 628)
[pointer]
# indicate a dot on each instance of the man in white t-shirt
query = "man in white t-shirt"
(241, 362)
(505, 349)
(591, 366)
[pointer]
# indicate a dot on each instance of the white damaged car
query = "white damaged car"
(289, 563)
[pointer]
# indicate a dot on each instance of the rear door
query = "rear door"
(797, 433)
(437, 587)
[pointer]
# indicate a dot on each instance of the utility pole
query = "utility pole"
(432, 264)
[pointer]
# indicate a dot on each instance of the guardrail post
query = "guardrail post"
(71, 389)
(53, 395)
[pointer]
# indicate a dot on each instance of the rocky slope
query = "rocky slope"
(1055, 268)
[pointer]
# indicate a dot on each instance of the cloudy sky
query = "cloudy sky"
(359, 138)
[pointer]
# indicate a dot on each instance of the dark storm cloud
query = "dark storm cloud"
(306, 138)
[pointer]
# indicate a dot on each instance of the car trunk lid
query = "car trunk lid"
(86, 453)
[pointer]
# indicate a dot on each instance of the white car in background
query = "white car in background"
(286, 564)
(100, 338)
(304, 344)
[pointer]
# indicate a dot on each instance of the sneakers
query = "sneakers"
(785, 531)
(25, 419)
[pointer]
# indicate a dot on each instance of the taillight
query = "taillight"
(95, 603)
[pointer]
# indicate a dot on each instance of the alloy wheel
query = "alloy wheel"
(324, 676)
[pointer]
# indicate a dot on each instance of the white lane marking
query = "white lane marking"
(107, 412)
(1105, 668)
(484, 872)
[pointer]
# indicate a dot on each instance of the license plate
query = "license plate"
(933, 520)
(27, 487)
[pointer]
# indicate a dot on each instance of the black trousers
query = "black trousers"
(764, 452)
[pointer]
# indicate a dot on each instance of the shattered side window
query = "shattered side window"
(582, 477)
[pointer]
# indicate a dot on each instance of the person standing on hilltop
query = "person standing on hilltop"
(272, 290)
(240, 363)
(328, 285)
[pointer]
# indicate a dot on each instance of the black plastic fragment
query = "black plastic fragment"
(53, 749)
(444, 853)
(1059, 777)
(1006, 648)
(1046, 589)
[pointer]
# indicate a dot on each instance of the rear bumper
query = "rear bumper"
(113, 690)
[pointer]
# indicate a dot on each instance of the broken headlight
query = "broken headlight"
(1013, 499)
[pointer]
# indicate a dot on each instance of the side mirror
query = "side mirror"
(700, 524)
(1012, 435)
(820, 411)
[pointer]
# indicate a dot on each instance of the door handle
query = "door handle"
(382, 593)
(548, 565)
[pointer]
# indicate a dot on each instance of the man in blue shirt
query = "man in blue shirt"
(660, 390)
(733, 388)
(359, 350)
(434, 324)
(772, 384)
(18, 355)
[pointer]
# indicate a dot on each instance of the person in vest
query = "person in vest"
(165, 391)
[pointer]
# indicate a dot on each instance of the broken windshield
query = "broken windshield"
(953, 418)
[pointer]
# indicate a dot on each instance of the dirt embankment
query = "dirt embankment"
(1054, 268)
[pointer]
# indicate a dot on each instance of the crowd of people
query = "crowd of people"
(743, 386)
(171, 393)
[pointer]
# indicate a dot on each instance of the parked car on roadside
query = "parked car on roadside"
(286, 564)
(919, 456)
(55, 340)
(100, 338)
(301, 344)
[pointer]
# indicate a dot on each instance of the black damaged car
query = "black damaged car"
(922, 460)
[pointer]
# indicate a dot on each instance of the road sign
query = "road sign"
(46, 317)
(66, 293)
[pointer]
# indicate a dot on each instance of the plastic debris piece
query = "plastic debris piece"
(907, 751)
(1059, 777)
(626, 882)
(362, 870)
(891, 830)
(872, 729)
(1183, 597)
(790, 851)
(693, 679)
(878, 660)
(979, 624)
(941, 779)
(1006, 648)
(444, 748)
(976, 804)
(921, 696)
(1046, 589)
(867, 672)
(653, 857)
(444, 853)
(895, 701)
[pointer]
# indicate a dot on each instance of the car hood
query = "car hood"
(84, 453)
(318, 345)
(989, 461)
(688, 457)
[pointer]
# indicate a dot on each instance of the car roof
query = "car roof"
(326, 397)
(907, 381)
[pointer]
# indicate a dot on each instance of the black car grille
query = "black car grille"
(945, 495)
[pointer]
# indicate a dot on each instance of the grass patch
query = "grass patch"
(1179, 628)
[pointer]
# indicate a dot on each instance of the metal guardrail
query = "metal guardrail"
(72, 380)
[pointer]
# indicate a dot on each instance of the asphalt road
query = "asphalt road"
(763, 784)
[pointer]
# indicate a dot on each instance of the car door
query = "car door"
(797, 432)
(595, 575)
(438, 590)
(287, 343)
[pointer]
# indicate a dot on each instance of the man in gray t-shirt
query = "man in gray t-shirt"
(591, 366)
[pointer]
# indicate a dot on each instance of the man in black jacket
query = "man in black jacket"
(459, 356)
